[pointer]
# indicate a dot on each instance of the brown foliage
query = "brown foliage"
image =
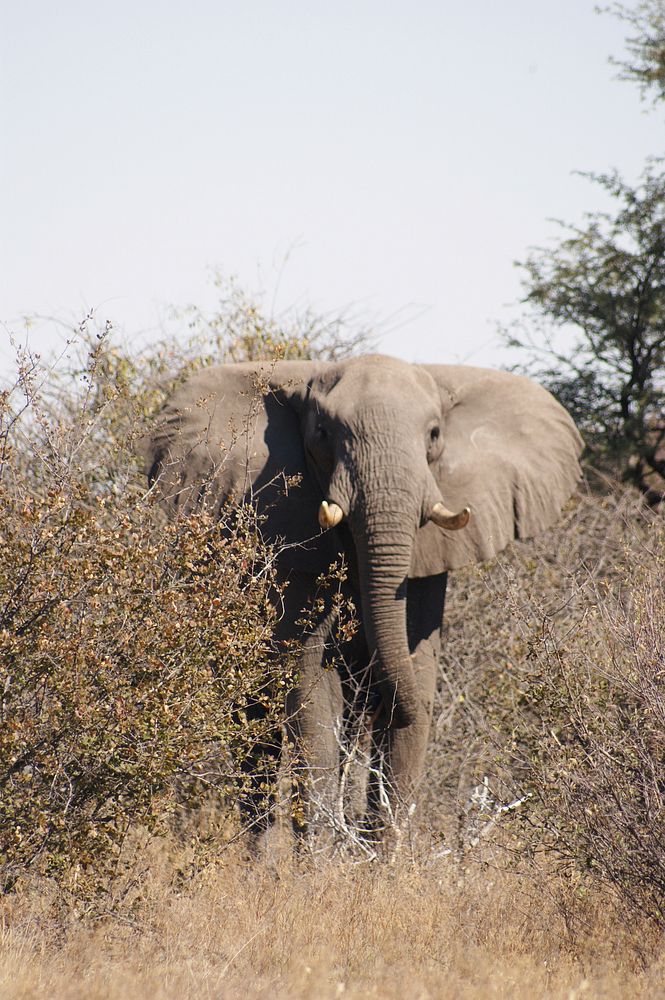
(129, 645)
(136, 652)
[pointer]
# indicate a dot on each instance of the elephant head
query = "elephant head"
(423, 467)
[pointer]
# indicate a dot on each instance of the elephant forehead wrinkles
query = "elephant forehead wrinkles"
(377, 421)
(387, 394)
(374, 455)
(385, 474)
(385, 374)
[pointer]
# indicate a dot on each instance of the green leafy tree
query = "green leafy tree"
(604, 282)
(645, 63)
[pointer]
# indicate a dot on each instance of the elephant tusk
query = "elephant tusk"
(330, 514)
(446, 519)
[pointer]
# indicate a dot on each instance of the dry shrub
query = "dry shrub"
(591, 732)
(240, 328)
(136, 652)
(128, 644)
(554, 688)
(481, 671)
(129, 647)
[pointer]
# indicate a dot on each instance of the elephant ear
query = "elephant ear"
(232, 433)
(510, 453)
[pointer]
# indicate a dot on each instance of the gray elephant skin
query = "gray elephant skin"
(405, 471)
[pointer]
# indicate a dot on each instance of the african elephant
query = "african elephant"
(407, 471)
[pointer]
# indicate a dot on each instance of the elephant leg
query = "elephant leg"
(314, 710)
(399, 754)
(314, 715)
(314, 721)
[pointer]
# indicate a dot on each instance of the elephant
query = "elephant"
(404, 471)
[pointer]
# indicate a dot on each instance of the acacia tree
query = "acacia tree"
(645, 63)
(605, 280)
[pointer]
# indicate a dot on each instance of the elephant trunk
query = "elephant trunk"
(384, 556)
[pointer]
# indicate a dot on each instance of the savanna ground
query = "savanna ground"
(412, 930)
(535, 866)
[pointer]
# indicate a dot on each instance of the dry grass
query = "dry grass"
(408, 930)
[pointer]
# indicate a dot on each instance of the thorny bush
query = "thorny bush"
(590, 734)
(558, 701)
(130, 644)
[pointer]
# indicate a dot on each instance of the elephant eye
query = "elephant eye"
(433, 443)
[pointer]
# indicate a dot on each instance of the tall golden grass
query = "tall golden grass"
(408, 930)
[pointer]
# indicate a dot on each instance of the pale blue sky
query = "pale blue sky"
(400, 155)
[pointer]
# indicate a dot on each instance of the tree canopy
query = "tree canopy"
(645, 62)
(604, 282)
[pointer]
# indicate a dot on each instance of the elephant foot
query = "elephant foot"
(388, 832)
(253, 844)
(270, 846)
